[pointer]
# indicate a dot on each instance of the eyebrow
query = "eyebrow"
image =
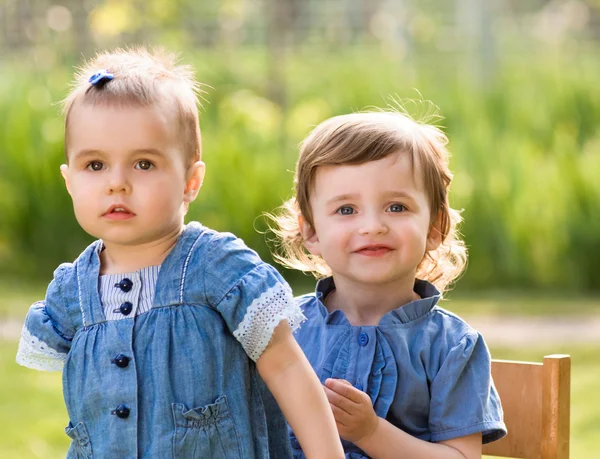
(144, 151)
(341, 197)
(388, 195)
(399, 194)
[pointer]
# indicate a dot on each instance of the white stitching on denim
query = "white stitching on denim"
(80, 299)
(185, 265)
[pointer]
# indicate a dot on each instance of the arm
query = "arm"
(387, 439)
(295, 386)
(357, 422)
(47, 331)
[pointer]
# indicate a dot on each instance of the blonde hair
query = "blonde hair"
(359, 138)
(141, 79)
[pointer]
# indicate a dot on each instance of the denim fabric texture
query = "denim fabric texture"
(425, 370)
(187, 388)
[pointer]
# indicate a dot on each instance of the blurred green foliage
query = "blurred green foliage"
(525, 145)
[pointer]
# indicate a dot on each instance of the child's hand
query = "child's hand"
(352, 409)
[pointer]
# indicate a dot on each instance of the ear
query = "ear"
(311, 240)
(64, 171)
(434, 238)
(194, 177)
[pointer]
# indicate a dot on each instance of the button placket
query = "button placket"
(364, 356)
(129, 294)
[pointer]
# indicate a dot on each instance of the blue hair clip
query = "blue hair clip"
(101, 77)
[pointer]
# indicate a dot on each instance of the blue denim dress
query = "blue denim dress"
(427, 372)
(177, 381)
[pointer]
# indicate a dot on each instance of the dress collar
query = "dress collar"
(404, 314)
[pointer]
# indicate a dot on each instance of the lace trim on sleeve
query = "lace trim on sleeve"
(263, 315)
(34, 353)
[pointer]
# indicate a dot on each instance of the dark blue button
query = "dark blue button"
(126, 308)
(363, 339)
(122, 411)
(359, 386)
(121, 361)
(125, 285)
(295, 443)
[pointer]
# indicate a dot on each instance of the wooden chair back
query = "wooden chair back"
(536, 402)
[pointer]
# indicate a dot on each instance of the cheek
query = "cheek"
(334, 235)
(170, 183)
(165, 192)
(82, 190)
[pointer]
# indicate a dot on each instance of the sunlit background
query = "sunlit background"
(517, 86)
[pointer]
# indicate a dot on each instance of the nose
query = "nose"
(372, 223)
(118, 182)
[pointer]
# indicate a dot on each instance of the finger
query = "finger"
(345, 389)
(340, 415)
(344, 381)
(340, 401)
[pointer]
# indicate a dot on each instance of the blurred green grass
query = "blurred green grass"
(17, 296)
(32, 414)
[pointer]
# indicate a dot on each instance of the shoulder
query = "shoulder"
(220, 262)
(204, 252)
(450, 341)
(64, 273)
(206, 242)
(454, 327)
(67, 275)
(309, 305)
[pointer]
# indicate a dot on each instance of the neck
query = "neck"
(365, 304)
(116, 258)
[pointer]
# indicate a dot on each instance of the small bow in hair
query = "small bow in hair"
(101, 77)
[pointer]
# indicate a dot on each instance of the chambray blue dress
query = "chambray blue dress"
(427, 372)
(169, 372)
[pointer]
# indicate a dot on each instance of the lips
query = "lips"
(374, 250)
(118, 212)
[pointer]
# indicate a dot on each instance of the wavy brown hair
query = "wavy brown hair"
(359, 138)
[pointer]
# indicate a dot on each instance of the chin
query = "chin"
(376, 278)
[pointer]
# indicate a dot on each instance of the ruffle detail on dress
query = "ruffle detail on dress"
(35, 354)
(263, 315)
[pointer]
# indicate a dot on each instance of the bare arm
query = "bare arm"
(290, 378)
(357, 422)
(387, 440)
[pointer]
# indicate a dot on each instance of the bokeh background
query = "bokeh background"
(516, 82)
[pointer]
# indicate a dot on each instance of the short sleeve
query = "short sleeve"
(464, 400)
(250, 295)
(47, 332)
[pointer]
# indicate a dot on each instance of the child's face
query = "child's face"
(127, 174)
(371, 221)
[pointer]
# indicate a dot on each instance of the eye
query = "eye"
(397, 208)
(95, 166)
(345, 210)
(144, 165)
